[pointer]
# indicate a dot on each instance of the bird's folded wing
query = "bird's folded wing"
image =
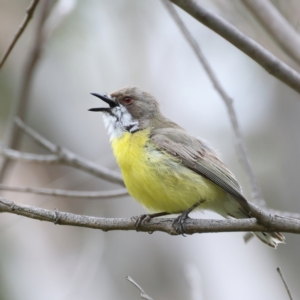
(197, 156)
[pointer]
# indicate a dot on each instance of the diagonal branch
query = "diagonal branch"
(60, 155)
(192, 226)
(29, 14)
(263, 57)
(240, 144)
(65, 193)
(284, 34)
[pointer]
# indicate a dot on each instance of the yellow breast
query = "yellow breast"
(158, 180)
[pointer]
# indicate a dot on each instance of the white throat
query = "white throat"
(119, 122)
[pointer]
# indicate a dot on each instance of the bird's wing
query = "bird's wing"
(197, 156)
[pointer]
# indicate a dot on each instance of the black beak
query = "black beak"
(107, 100)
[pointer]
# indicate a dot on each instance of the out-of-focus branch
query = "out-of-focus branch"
(143, 294)
(284, 282)
(60, 156)
(29, 14)
(29, 157)
(240, 144)
(251, 48)
(192, 226)
(68, 158)
(284, 34)
(65, 193)
(13, 132)
(45, 27)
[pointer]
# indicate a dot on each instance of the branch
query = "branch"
(64, 193)
(157, 224)
(29, 14)
(278, 27)
(251, 48)
(284, 282)
(60, 156)
(240, 144)
(143, 294)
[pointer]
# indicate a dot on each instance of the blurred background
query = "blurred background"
(101, 46)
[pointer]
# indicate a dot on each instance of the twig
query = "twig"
(143, 294)
(60, 155)
(285, 284)
(240, 144)
(68, 158)
(254, 50)
(29, 14)
(156, 224)
(279, 28)
(65, 193)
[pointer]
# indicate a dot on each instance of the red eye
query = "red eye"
(127, 100)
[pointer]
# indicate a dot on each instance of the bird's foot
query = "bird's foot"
(179, 223)
(146, 218)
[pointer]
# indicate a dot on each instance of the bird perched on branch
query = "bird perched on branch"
(167, 170)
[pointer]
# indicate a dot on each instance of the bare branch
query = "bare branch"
(240, 144)
(192, 226)
(29, 157)
(279, 28)
(62, 156)
(254, 50)
(64, 193)
(285, 284)
(29, 14)
(143, 294)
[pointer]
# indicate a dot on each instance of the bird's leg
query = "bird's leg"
(179, 222)
(143, 218)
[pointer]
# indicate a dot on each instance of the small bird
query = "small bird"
(167, 170)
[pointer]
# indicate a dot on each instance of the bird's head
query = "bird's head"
(130, 109)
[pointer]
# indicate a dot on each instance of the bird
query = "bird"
(166, 169)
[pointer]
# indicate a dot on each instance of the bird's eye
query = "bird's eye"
(127, 100)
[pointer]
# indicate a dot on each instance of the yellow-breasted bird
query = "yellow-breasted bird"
(164, 168)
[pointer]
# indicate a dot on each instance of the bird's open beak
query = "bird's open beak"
(107, 100)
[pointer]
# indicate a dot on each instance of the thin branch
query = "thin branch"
(251, 48)
(192, 226)
(62, 156)
(29, 14)
(65, 193)
(68, 158)
(240, 144)
(285, 284)
(143, 294)
(29, 157)
(284, 34)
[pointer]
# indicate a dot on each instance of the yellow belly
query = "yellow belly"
(158, 180)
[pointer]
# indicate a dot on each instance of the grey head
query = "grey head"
(130, 109)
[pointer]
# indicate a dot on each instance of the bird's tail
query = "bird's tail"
(270, 238)
(240, 209)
